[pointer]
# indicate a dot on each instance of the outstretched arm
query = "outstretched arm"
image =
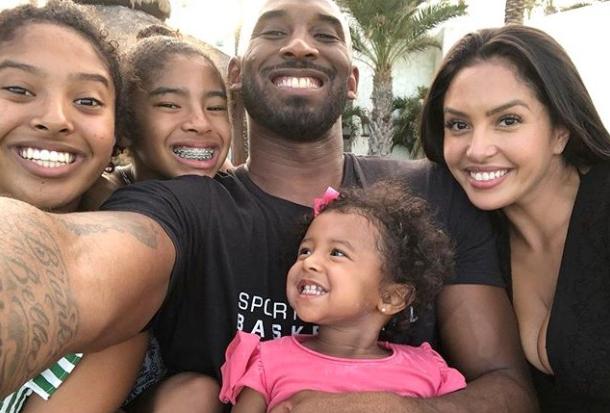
(74, 283)
(479, 335)
(185, 392)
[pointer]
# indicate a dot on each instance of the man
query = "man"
(210, 256)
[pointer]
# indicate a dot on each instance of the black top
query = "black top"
(578, 335)
(235, 243)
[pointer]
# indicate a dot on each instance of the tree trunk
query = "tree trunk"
(239, 131)
(380, 139)
(514, 11)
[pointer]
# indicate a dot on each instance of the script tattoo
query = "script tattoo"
(144, 233)
(38, 313)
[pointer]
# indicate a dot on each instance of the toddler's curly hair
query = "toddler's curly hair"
(414, 251)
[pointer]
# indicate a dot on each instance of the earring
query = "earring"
(116, 150)
(383, 309)
(110, 167)
(412, 316)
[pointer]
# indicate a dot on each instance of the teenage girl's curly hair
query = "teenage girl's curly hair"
(413, 250)
(67, 14)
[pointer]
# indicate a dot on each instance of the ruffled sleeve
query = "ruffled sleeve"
(451, 379)
(242, 368)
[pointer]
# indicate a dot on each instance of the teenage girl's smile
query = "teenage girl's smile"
(198, 155)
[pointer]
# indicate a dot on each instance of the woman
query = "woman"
(510, 117)
(59, 84)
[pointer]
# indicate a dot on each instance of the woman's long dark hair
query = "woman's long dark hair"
(545, 67)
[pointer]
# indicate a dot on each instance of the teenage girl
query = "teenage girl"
(59, 94)
(176, 123)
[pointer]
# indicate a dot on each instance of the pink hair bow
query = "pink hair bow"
(320, 203)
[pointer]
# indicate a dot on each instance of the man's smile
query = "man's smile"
(294, 82)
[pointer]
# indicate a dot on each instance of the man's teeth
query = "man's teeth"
(297, 82)
(198, 154)
(312, 289)
(46, 158)
(487, 176)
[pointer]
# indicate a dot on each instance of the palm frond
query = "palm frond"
(386, 31)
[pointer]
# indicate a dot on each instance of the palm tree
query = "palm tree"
(406, 122)
(239, 142)
(514, 11)
(383, 33)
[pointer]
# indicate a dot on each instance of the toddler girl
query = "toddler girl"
(367, 259)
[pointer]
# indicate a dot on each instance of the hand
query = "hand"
(304, 401)
(308, 401)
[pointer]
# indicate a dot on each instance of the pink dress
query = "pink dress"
(279, 368)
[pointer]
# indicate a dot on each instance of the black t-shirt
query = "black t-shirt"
(235, 243)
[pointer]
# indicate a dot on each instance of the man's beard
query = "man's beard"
(293, 118)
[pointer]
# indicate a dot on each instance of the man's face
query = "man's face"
(297, 71)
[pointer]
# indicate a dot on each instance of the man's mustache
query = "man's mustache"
(301, 64)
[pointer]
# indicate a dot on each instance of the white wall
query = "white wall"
(7, 4)
(583, 32)
(408, 75)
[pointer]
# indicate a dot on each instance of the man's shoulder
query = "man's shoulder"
(360, 170)
(183, 191)
(189, 184)
(386, 165)
(422, 175)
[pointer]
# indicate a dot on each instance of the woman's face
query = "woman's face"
(56, 116)
(182, 119)
(499, 142)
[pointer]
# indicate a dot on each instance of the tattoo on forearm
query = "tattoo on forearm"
(145, 233)
(38, 313)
